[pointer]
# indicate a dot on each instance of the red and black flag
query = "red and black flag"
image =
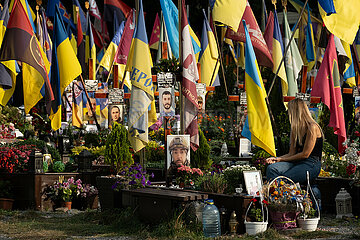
(119, 7)
(20, 43)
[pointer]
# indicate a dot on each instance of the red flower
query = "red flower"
(265, 202)
(351, 169)
(357, 133)
(254, 200)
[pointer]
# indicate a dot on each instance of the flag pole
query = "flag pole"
(88, 99)
(220, 55)
(182, 97)
(286, 49)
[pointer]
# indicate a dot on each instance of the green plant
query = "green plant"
(201, 157)
(167, 65)
(234, 176)
(331, 161)
(58, 167)
(10, 114)
(117, 152)
(154, 153)
(211, 182)
(6, 190)
(256, 215)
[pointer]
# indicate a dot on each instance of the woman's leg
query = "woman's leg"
(278, 169)
(298, 172)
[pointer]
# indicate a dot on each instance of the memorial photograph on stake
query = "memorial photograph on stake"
(178, 150)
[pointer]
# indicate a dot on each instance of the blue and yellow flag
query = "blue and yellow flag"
(209, 55)
(171, 17)
(8, 78)
(108, 58)
(142, 112)
(90, 48)
(310, 43)
(345, 22)
(64, 69)
(77, 108)
(277, 54)
(228, 12)
(257, 126)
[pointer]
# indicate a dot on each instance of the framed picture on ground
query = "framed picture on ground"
(253, 182)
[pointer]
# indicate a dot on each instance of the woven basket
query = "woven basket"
(283, 219)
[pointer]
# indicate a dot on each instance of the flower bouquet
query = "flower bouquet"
(185, 176)
(284, 198)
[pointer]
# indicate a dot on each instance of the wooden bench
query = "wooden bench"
(156, 204)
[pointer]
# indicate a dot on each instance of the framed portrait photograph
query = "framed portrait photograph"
(116, 113)
(166, 102)
(178, 150)
(253, 182)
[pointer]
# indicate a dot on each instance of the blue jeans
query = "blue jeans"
(295, 170)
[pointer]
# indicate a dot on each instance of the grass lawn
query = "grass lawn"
(116, 223)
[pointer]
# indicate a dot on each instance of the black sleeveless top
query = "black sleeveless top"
(317, 150)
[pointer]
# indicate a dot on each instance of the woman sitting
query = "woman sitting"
(306, 143)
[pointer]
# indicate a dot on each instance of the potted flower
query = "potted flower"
(234, 176)
(310, 213)
(256, 217)
(89, 196)
(282, 194)
(132, 177)
(186, 175)
(63, 191)
(6, 195)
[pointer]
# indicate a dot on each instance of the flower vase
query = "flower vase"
(253, 228)
(308, 224)
(68, 205)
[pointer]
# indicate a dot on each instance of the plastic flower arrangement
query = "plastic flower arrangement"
(187, 175)
(283, 195)
(132, 177)
(88, 191)
(7, 131)
(15, 158)
(256, 211)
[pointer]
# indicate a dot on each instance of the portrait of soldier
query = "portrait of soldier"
(115, 114)
(178, 149)
(166, 103)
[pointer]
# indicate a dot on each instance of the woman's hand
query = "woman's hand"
(271, 160)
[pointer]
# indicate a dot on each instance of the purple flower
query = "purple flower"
(152, 175)
(132, 182)
(148, 183)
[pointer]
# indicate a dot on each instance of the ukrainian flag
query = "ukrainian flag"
(209, 54)
(171, 18)
(90, 48)
(257, 126)
(142, 105)
(277, 54)
(345, 22)
(349, 72)
(64, 69)
(310, 43)
(5, 92)
(108, 58)
(228, 12)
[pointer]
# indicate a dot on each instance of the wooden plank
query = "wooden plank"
(347, 90)
(313, 99)
(234, 98)
(160, 193)
(116, 76)
(210, 88)
(303, 77)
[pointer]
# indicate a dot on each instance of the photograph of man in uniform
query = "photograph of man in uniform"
(201, 104)
(88, 116)
(166, 102)
(115, 114)
(178, 150)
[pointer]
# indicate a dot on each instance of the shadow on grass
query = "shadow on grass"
(32, 224)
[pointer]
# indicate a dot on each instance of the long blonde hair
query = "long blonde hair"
(300, 120)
